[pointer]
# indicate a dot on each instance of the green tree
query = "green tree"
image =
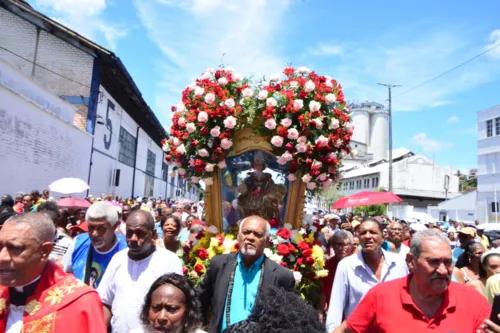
(373, 210)
(326, 198)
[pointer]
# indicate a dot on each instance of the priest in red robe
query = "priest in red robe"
(35, 294)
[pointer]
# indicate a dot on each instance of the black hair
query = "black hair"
(192, 316)
(49, 205)
(35, 193)
(268, 315)
(177, 221)
(464, 259)
(371, 219)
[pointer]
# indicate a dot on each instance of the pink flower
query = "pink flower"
(303, 70)
(198, 91)
(229, 103)
(287, 156)
(332, 155)
(294, 84)
(237, 77)
(302, 139)
(208, 181)
(306, 178)
(202, 117)
(181, 107)
(222, 81)
(182, 121)
(314, 106)
(209, 167)
(222, 164)
(301, 147)
(322, 177)
(205, 76)
(195, 180)
(309, 86)
(270, 124)
(319, 123)
(181, 149)
(177, 142)
(291, 177)
(263, 95)
(209, 98)
(298, 104)
(277, 141)
(181, 171)
(203, 152)
(230, 122)
(349, 127)
(271, 101)
(215, 132)
(190, 127)
(330, 98)
(311, 186)
(338, 143)
(322, 141)
(281, 161)
(226, 143)
(274, 78)
(334, 123)
(293, 134)
(286, 122)
(328, 81)
(247, 92)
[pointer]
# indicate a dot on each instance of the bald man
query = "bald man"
(34, 291)
(132, 271)
(396, 237)
(232, 281)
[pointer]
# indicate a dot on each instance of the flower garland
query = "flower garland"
(307, 121)
(204, 124)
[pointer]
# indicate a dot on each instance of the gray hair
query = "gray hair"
(418, 238)
(267, 231)
(40, 224)
(340, 236)
(102, 210)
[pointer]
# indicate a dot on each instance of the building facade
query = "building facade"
(126, 158)
(488, 161)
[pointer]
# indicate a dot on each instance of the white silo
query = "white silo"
(361, 121)
(379, 134)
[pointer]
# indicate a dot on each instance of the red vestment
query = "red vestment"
(61, 303)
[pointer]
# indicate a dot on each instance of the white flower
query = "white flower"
(302, 139)
(212, 229)
(301, 147)
(309, 86)
(198, 91)
(205, 76)
(228, 70)
(262, 95)
(354, 152)
(349, 127)
(319, 123)
(334, 124)
(208, 181)
(277, 141)
(323, 141)
(191, 86)
(230, 122)
(328, 81)
(314, 106)
(268, 252)
(237, 77)
(181, 121)
(293, 134)
(228, 245)
(210, 70)
(181, 171)
(270, 124)
(343, 154)
(181, 107)
(171, 173)
(317, 164)
(229, 103)
(322, 177)
(274, 78)
(294, 84)
(202, 117)
(303, 70)
(190, 127)
(222, 81)
(298, 277)
(209, 98)
(286, 122)
(287, 156)
(338, 143)
(222, 164)
(177, 142)
(209, 167)
(181, 149)
(215, 132)
(288, 226)
(166, 147)
(226, 143)
(276, 258)
(311, 186)
(271, 101)
(330, 98)
(291, 177)
(298, 104)
(195, 180)
(247, 92)
(306, 178)
(203, 152)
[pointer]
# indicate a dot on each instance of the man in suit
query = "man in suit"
(233, 281)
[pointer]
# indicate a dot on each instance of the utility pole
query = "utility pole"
(389, 87)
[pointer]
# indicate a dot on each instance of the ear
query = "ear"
(46, 249)
(410, 261)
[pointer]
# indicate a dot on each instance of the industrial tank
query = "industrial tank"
(379, 134)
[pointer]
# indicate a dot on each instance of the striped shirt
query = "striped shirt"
(61, 245)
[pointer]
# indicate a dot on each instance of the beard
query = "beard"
(248, 250)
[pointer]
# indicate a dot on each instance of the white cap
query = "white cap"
(417, 227)
(487, 253)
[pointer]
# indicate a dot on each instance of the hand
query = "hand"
(490, 327)
(321, 316)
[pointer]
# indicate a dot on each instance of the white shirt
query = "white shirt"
(354, 279)
(15, 318)
(126, 282)
(403, 250)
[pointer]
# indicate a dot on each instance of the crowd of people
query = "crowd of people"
(116, 267)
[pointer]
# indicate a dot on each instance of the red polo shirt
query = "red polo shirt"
(388, 307)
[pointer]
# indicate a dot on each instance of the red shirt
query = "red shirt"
(326, 288)
(406, 242)
(388, 307)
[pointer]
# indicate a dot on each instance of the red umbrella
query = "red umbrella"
(73, 203)
(366, 198)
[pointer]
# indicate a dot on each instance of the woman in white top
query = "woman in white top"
(171, 305)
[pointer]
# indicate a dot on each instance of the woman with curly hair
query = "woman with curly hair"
(171, 305)
(269, 316)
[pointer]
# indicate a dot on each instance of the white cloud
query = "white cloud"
(493, 39)
(429, 145)
(326, 50)
(453, 119)
(84, 17)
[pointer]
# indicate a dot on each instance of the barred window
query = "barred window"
(489, 128)
(164, 172)
(150, 163)
(126, 154)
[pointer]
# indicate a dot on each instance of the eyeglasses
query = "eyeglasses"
(395, 229)
(340, 245)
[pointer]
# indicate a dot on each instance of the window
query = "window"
(346, 186)
(375, 182)
(366, 183)
(494, 207)
(351, 185)
(126, 154)
(164, 172)
(358, 184)
(489, 128)
(150, 163)
(497, 126)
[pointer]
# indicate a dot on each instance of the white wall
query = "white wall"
(36, 146)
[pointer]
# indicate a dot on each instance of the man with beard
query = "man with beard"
(357, 274)
(424, 301)
(93, 250)
(395, 236)
(232, 281)
(131, 273)
(35, 294)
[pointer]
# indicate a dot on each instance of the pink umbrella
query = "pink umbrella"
(366, 198)
(73, 203)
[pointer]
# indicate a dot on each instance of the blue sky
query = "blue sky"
(165, 44)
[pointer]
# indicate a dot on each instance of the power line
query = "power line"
(450, 70)
(49, 70)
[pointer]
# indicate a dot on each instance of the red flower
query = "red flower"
(283, 264)
(283, 249)
(284, 233)
(289, 71)
(200, 269)
(309, 261)
(303, 246)
(185, 270)
(307, 253)
(200, 235)
(220, 238)
(300, 261)
(291, 247)
(273, 223)
(202, 254)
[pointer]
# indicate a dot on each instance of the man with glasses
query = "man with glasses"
(395, 236)
(90, 253)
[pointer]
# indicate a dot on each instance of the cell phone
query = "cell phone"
(495, 310)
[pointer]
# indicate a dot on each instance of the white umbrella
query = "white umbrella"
(421, 217)
(68, 186)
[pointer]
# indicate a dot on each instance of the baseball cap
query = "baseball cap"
(82, 226)
(468, 231)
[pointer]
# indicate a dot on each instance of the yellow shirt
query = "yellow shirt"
(492, 288)
(485, 242)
